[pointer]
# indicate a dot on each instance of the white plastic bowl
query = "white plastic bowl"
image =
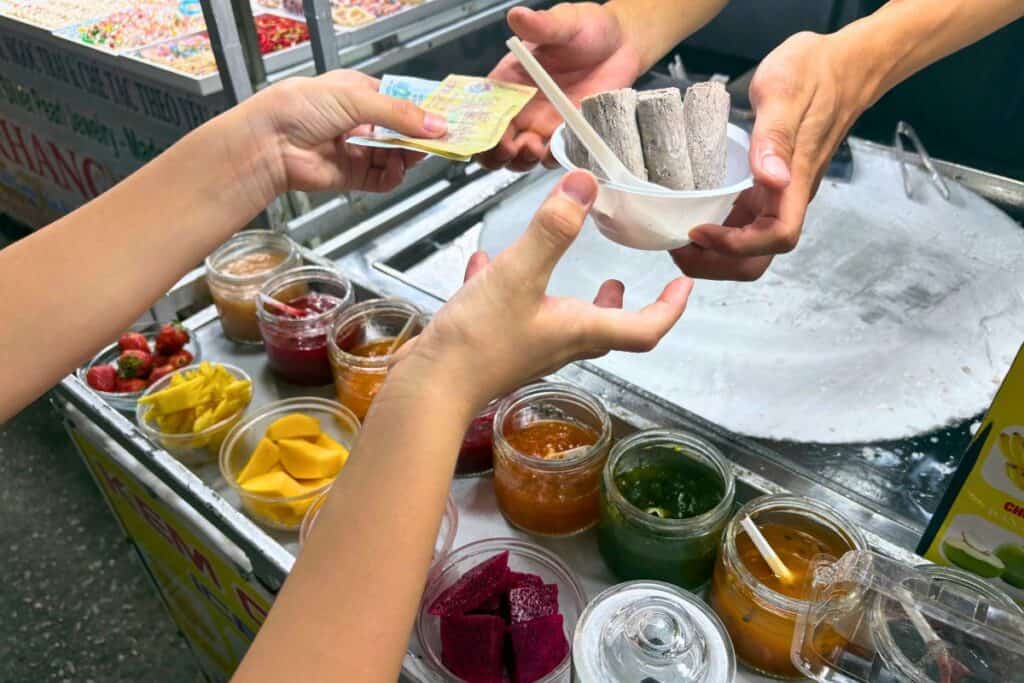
(655, 220)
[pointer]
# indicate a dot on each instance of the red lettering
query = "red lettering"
(171, 535)
(44, 162)
(15, 146)
(113, 482)
(255, 611)
(89, 166)
(68, 170)
(198, 559)
(1013, 508)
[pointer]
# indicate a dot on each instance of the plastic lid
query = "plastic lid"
(647, 631)
(870, 618)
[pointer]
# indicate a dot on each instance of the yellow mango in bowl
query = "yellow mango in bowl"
(262, 460)
(294, 426)
(305, 460)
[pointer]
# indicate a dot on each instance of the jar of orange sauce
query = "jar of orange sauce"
(551, 441)
(236, 271)
(759, 610)
(359, 347)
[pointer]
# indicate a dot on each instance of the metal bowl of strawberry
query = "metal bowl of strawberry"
(141, 356)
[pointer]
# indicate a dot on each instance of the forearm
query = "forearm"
(351, 599)
(76, 284)
(654, 27)
(905, 36)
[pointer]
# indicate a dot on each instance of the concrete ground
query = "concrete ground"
(75, 603)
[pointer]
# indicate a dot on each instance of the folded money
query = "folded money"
(478, 111)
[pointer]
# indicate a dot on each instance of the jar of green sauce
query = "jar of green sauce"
(665, 499)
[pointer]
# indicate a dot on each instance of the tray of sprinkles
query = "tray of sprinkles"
(133, 28)
(188, 61)
(46, 16)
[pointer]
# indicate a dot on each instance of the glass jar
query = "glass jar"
(759, 615)
(358, 348)
(236, 271)
(297, 346)
(655, 544)
(476, 455)
(557, 494)
(651, 631)
(523, 557)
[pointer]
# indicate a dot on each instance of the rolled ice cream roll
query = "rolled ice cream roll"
(577, 153)
(662, 124)
(613, 116)
(706, 109)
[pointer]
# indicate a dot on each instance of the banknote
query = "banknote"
(478, 111)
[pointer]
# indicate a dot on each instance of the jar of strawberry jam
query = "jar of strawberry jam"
(236, 271)
(296, 312)
(360, 348)
(550, 444)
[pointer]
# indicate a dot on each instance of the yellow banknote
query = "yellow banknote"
(478, 111)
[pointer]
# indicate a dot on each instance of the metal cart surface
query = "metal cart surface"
(218, 571)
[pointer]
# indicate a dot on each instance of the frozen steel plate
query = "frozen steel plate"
(893, 317)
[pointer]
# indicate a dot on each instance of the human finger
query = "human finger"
(779, 112)
(556, 26)
(477, 262)
(774, 230)
(554, 227)
(641, 330)
(367, 106)
(705, 264)
(610, 294)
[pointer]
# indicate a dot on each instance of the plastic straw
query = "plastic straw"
(778, 568)
(599, 150)
(280, 307)
(404, 335)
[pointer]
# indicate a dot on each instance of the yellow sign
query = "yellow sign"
(980, 523)
(214, 606)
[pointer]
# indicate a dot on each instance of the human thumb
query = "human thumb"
(366, 106)
(556, 26)
(773, 141)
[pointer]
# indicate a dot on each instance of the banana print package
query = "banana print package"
(979, 525)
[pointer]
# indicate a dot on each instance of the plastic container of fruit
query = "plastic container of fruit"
(524, 557)
(108, 356)
(336, 421)
(445, 535)
(655, 219)
(191, 448)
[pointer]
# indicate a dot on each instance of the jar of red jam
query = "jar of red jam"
(236, 271)
(360, 348)
(476, 455)
(295, 332)
(551, 441)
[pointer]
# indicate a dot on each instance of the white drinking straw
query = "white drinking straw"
(778, 568)
(404, 335)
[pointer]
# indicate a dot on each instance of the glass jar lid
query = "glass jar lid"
(871, 618)
(648, 631)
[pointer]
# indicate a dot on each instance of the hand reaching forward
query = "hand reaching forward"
(501, 329)
(583, 47)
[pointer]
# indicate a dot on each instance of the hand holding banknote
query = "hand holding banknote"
(308, 122)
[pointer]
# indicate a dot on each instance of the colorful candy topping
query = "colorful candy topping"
(139, 26)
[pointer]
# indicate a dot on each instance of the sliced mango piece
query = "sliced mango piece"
(305, 460)
(277, 484)
(177, 398)
(324, 441)
(262, 460)
(294, 426)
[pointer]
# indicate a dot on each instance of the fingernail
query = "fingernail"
(774, 166)
(697, 237)
(434, 124)
(580, 187)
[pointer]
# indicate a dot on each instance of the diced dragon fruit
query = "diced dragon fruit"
(472, 647)
(475, 588)
(517, 579)
(538, 646)
(530, 602)
(492, 606)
